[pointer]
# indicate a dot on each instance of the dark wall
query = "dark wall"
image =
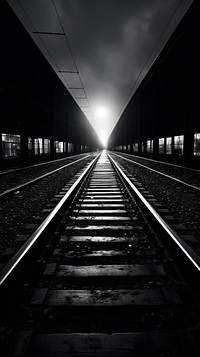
(34, 102)
(167, 101)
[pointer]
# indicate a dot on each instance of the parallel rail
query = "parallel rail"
(45, 163)
(101, 210)
(18, 268)
(188, 260)
(174, 179)
(11, 191)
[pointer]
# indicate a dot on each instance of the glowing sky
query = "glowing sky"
(112, 44)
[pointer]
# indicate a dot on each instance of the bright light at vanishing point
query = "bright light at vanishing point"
(103, 138)
(102, 116)
(101, 112)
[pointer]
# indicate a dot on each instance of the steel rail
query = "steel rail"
(9, 171)
(191, 259)
(162, 162)
(16, 270)
(185, 184)
(31, 182)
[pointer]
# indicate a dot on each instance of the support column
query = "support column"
(66, 152)
(131, 148)
(188, 141)
(155, 124)
(33, 149)
(1, 150)
(52, 131)
(24, 149)
(24, 137)
(139, 128)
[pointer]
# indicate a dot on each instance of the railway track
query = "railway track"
(194, 187)
(29, 182)
(106, 284)
(5, 172)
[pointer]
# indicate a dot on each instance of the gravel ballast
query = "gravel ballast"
(20, 176)
(184, 204)
(21, 208)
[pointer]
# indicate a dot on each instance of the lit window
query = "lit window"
(135, 147)
(149, 147)
(36, 148)
(70, 148)
(197, 144)
(178, 145)
(59, 146)
(168, 146)
(30, 144)
(46, 146)
(83, 148)
(142, 146)
(161, 146)
(10, 145)
(40, 146)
